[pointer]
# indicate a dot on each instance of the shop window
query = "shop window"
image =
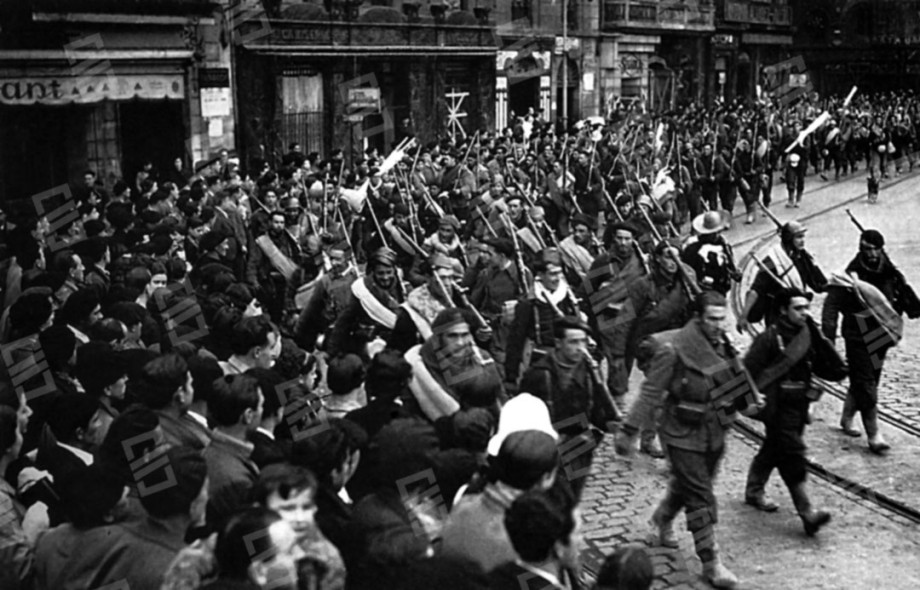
(303, 120)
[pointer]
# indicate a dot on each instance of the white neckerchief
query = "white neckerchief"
(542, 293)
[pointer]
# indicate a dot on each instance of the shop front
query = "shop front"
(362, 84)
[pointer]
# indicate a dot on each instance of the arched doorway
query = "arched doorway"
(523, 85)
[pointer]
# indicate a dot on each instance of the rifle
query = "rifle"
(855, 221)
(518, 257)
(768, 213)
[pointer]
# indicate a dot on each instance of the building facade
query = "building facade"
(353, 75)
(753, 39)
(874, 44)
(548, 59)
(106, 85)
(659, 52)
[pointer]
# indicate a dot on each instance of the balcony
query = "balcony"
(757, 14)
(337, 38)
(667, 15)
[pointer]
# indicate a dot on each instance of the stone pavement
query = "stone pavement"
(864, 546)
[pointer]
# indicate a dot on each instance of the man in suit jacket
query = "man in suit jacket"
(236, 410)
(229, 222)
(266, 448)
(543, 528)
(166, 387)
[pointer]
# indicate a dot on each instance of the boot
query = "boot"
(624, 441)
(661, 531)
(870, 422)
(718, 575)
(846, 419)
(649, 445)
(814, 520)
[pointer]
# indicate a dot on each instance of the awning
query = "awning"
(370, 50)
(56, 77)
(60, 90)
(765, 39)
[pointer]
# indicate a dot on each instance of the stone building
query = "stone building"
(871, 43)
(108, 84)
(354, 75)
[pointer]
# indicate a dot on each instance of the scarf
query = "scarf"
(279, 260)
(376, 309)
(576, 256)
(434, 241)
(434, 398)
(783, 266)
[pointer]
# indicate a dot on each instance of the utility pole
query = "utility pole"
(565, 64)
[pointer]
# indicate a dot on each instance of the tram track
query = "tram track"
(906, 425)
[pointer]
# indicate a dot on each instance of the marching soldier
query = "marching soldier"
(580, 249)
(789, 262)
(424, 303)
(709, 255)
(569, 381)
(872, 324)
(607, 290)
(536, 315)
(782, 360)
(747, 170)
(370, 314)
(696, 372)
(273, 265)
(496, 284)
(657, 302)
(329, 297)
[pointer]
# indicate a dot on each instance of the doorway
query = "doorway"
(150, 130)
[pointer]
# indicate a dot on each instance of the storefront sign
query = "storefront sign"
(214, 78)
(215, 102)
(88, 89)
(366, 100)
(723, 40)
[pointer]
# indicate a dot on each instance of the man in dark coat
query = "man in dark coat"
(657, 302)
(872, 324)
(272, 266)
(788, 261)
(534, 316)
(782, 360)
(569, 381)
(544, 531)
(370, 313)
(697, 373)
(606, 285)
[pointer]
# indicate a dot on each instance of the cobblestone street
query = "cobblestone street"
(865, 546)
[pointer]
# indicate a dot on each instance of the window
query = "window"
(520, 10)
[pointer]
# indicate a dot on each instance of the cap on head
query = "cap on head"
(873, 237)
(383, 257)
